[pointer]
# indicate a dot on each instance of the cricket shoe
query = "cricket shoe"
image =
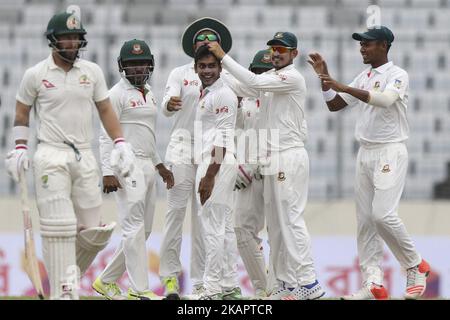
(216, 296)
(416, 280)
(371, 291)
(233, 294)
(144, 295)
(110, 291)
(171, 288)
(311, 291)
(260, 294)
(197, 292)
(282, 293)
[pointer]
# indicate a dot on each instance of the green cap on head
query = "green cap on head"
(285, 39)
(262, 60)
(135, 49)
(381, 33)
(216, 26)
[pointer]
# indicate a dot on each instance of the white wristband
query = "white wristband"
(20, 132)
(119, 140)
(329, 94)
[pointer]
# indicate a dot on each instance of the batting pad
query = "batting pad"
(90, 242)
(253, 258)
(58, 240)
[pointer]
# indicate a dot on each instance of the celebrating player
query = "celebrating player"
(380, 93)
(180, 101)
(282, 91)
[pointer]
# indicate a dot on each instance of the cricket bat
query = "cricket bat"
(31, 263)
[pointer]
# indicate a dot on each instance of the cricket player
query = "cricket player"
(380, 93)
(180, 102)
(282, 91)
(63, 90)
(216, 177)
(135, 106)
(249, 210)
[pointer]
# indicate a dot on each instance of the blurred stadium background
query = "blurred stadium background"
(421, 46)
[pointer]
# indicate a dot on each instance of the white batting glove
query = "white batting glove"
(244, 176)
(122, 157)
(16, 160)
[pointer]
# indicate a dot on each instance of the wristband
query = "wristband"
(119, 140)
(20, 132)
(21, 146)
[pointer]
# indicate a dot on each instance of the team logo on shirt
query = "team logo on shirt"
(386, 169)
(397, 83)
(376, 85)
(84, 80)
(283, 77)
(136, 103)
(222, 110)
(44, 180)
(47, 84)
(190, 83)
(281, 176)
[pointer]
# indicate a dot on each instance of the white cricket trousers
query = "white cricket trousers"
(177, 200)
(216, 216)
(380, 178)
(249, 222)
(136, 207)
(69, 198)
(285, 196)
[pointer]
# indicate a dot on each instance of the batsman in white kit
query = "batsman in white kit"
(380, 93)
(282, 92)
(135, 106)
(63, 90)
(180, 102)
(249, 211)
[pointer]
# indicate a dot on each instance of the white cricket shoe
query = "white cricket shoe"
(311, 291)
(197, 292)
(416, 280)
(369, 292)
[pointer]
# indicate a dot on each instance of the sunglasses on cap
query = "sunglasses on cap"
(203, 37)
(280, 50)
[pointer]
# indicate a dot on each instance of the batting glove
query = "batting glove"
(122, 157)
(16, 160)
(244, 176)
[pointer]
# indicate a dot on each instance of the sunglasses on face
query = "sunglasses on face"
(280, 50)
(203, 37)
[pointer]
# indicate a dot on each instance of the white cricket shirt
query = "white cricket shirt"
(282, 93)
(137, 116)
(379, 124)
(64, 101)
(216, 113)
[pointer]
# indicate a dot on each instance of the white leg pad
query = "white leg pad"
(90, 242)
(253, 258)
(58, 238)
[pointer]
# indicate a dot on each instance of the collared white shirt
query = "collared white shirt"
(137, 116)
(64, 101)
(282, 93)
(216, 113)
(183, 82)
(378, 124)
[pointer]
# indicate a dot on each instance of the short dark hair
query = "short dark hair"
(202, 52)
